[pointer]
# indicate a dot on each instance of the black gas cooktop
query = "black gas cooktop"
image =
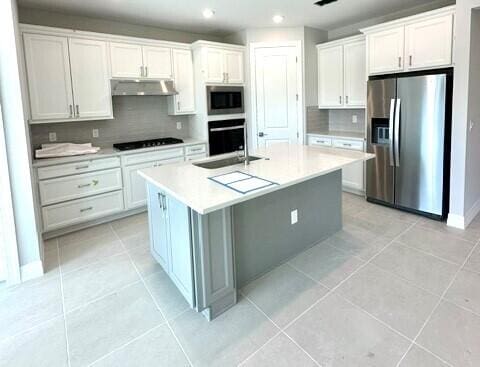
(147, 143)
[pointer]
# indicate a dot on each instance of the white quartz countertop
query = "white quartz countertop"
(284, 164)
(107, 152)
(339, 134)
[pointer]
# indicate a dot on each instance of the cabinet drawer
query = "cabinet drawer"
(319, 140)
(195, 149)
(195, 157)
(77, 167)
(78, 186)
(348, 144)
(81, 210)
(152, 156)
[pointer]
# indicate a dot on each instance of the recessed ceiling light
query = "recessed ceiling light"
(208, 13)
(278, 18)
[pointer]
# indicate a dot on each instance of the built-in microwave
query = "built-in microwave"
(223, 100)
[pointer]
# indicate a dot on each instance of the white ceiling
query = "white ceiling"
(231, 15)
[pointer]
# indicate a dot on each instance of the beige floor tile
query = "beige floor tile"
(326, 264)
(283, 294)
(473, 263)
(338, 334)
(446, 246)
(470, 234)
(44, 346)
(453, 334)
(426, 271)
(390, 299)
(156, 348)
(385, 226)
(465, 291)
(29, 304)
(225, 341)
(103, 230)
(131, 226)
(418, 357)
(144, 261)
(108, 324)
(97, 280)
(280, 352)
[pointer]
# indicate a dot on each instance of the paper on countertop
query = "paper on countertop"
(65, 150)
(231, 177)
(250, 184)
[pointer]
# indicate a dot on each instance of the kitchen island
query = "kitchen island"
(212, 240)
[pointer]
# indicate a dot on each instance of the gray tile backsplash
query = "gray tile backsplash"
(337, 120)
(136, 118)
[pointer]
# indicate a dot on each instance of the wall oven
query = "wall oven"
(223, 100)
(226, 136)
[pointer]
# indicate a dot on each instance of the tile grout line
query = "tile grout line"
(281, 331)
(63, 303)
(442, 298)
(330, 290)
(154, 300)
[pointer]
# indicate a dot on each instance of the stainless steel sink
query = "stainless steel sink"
(231, 161)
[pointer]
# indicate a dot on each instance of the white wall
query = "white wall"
(17, 138)
(353, 29)
(54, 19)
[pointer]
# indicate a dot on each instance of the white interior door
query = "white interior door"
(276, 93)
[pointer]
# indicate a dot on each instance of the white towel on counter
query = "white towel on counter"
(65, 150)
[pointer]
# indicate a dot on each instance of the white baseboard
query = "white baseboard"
(462, 222)
(31, 270)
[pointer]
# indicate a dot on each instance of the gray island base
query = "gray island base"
(210, 256)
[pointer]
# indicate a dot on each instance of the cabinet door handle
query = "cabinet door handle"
(78, 110)
(82, 167)
(399, 61)
(146, 70)
(160, 201)
(164, 200)
(141, 70)
(410, 61)
(84, 185)
(71, 110)
(346, 99)
(228, 76)
(86, 209)
(178, 106)
(340, 98)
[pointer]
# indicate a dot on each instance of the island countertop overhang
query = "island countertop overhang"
(284, 164)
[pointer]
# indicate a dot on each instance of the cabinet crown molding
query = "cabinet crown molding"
(53, 31)
(342, 41)
(411, 19)
(201, 43)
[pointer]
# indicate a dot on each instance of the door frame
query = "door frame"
(300, 87)
(8, 238)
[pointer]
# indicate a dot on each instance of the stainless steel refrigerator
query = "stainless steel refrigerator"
(408, 129)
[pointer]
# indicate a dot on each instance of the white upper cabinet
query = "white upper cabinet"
(126, 60)
(184, 101)
(48, 73)
(221, 63)
(341, 74)
(429, 43)
(354, 59)
(330, 83)
(214, 65)
(68, 78)
(385, 51)
(423, 41)
(157, 62)
(88, 60)
(234, 67)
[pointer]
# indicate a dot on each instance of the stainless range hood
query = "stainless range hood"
(142, 87)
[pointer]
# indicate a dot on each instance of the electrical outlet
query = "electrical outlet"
(52, 137)
(179, 125)
(354, 119)
(95, 133)
(294, 216)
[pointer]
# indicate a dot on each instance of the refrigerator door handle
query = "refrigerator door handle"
(390, 129)
(397, 134)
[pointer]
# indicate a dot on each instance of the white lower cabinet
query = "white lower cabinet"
(135, 192)
(353, 175)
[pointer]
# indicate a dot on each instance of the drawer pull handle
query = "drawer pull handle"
(196, 149)
(321, 141)
(86, 209)
(83, 185)
(82, 167)
(347, 145)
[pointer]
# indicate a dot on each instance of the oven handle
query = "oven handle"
(228, 128)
